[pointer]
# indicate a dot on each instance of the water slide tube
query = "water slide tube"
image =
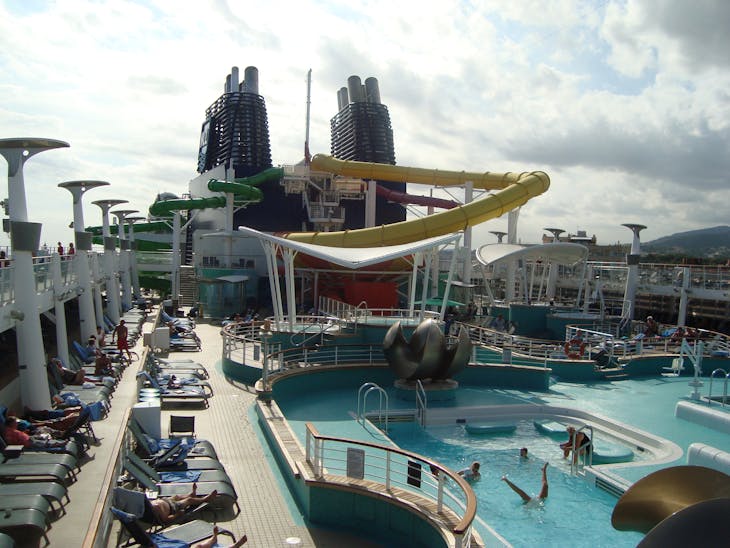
(514, 190)
(243, 190)
(415, 199)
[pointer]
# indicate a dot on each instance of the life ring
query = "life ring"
(575, 349)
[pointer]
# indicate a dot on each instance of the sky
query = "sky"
(625, 104)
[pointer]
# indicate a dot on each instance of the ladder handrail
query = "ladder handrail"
(709, 389)
(421, 403)
(369, 387)
(577, 456)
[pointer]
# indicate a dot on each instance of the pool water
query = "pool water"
(574, 513)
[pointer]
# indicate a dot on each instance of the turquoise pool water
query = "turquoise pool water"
(573, 505)
(573, 509)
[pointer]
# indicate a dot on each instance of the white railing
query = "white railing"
(363, 314)
(392, 469)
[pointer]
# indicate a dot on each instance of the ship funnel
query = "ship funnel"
(342, 98)
(372, 91)
(251, 80)
(234, 80)
(355, 89)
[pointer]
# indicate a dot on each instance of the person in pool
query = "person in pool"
(525, 497)
(472, 473)
(523, 453)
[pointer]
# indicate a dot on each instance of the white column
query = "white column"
(175, 273)
(87, 316)
(124, 258)
(96, 280)
(24, 239)
(683, 297)
(59, 309)
(370, 203)
(632, 279)
(110, 272)
(468, 198)
(136, 290)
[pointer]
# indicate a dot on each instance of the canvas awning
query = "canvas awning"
(564, 253)
(353, 257)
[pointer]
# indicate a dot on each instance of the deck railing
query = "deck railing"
(596, 340)
(394, 468)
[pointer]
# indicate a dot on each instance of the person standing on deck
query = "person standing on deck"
(120, 333)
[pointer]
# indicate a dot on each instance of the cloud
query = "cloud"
(624, 104)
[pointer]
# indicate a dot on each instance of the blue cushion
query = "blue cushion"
(152, 445)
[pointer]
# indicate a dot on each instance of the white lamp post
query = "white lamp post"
(112, 283)
(24, 239)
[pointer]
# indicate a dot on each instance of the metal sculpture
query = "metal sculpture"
(426, 356)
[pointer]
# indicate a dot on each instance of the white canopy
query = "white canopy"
(353, 257)
(564, 253)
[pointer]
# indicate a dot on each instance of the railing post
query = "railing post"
(309, 447)
(387, 471)
(440, 495)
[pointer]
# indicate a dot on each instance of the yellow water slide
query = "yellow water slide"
(513, 191)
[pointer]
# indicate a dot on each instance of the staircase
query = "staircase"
(188, 286)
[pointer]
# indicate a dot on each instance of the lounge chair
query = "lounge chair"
(198, 387)
(175, 464)
(188, 533)
(151, 447)
(182, 363)
(226, 498)
(162, 371)
(6, 541)
(21, 514)
(52, 491)
(176, 476)
(199, 394)
(33, 472)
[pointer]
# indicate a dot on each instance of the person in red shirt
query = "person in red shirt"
(13, 436)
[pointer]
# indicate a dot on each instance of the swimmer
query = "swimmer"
(472, 473)
(525, 497)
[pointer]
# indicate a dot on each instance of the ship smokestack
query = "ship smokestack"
(355, 89)
(233, 87)
(251, 80)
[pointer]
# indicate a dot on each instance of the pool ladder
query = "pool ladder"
(584, 459)
(362, 399)
(724, 387)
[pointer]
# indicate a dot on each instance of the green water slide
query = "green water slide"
(243, 190)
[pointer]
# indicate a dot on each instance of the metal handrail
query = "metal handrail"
(709, 390)
(386, 471)
(370, 387)
(580, 457)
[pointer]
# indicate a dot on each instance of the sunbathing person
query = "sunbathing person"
(527, 498)
(213, 541)
(169, 509)
(14, 436)
(69, 376)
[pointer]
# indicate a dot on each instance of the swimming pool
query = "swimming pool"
(556, 521)
(645, 403)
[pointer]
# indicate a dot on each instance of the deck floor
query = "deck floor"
(265, 517)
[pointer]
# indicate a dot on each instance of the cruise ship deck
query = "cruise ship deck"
(266, 516)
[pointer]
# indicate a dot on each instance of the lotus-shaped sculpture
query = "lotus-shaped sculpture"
(426, 356)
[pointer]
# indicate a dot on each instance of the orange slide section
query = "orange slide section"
(514, 190)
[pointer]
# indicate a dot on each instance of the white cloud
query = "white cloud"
(624, 104)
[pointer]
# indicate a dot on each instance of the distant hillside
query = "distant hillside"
(707, 242)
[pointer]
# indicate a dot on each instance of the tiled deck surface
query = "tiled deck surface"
(265, 516)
